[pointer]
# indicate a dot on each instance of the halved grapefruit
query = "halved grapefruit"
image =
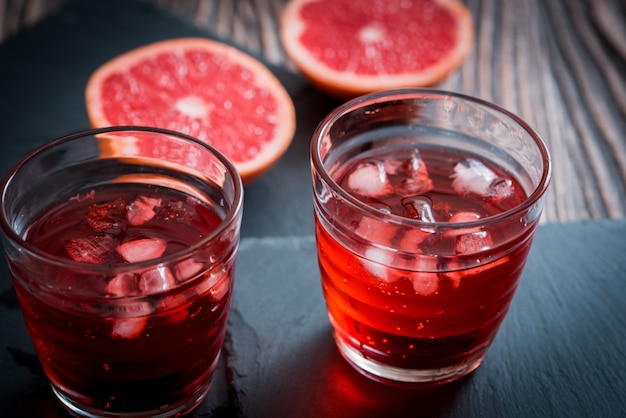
(202, 88)
(348, 48)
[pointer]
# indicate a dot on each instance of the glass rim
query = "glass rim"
(231, 215)
(383, 96)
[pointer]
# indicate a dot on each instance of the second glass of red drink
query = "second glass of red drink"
(426, 203)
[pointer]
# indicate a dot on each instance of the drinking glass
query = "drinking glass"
(426, 203)
(121, 244)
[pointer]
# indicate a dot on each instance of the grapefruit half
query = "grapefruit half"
(348, 48)
(200, 87)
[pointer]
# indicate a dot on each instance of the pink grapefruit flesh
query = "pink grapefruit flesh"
(203, 88)
(348, 48)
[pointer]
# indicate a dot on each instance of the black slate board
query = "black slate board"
(559, 353)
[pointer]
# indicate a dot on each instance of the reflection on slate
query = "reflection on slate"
(559, 352)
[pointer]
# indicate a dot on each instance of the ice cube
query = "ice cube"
(469, 240)
(411, 186)
(129, 327)
(425, 284)
(456, 276)
(123, 284)
(142, 210)
(374, 230)
(142, 249)
(418, 207)
(369, 179)
(397, 166)
(188, 269)
(500, 188)
(377, 262)
(156, 280)
(93, 249)
(220, 289)
(411, 240)
(464, 216)
(472, 176)
(473, 242)
(415, 177)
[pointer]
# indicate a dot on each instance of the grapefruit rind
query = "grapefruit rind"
(249, 170)
(347, 84)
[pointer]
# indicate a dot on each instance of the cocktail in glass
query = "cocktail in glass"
(426, 203)
(121, 244)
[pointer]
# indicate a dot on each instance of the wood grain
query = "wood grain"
(559, 64)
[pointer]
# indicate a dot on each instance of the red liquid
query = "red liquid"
(421, 315)
(107, 352)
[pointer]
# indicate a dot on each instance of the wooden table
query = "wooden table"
(559, 64)
(560, 351)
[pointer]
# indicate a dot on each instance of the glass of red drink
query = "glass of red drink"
(426, 203)
(121, 244)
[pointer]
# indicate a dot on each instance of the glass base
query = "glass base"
(409, 378)
(172, 410)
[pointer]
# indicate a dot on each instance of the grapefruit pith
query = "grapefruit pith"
(200, 87)
(348, 48)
